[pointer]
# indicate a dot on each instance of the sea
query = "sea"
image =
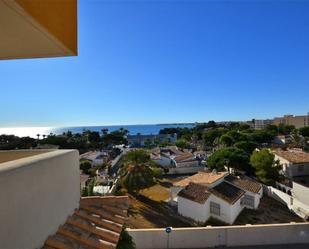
(147, 129)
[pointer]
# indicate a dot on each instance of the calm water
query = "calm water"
(133, 129)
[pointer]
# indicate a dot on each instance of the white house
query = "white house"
(162, 159)
(177, 161)
(218, 195)
(208, 179)
(295, 162)
(253, 190)
(222, 202)
(95, 157)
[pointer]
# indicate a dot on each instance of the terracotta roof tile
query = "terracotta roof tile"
(183, 157)
(195, 192)
(294, 156)
(227, 192)
(201, 177)
(245, 184)
(97, 224)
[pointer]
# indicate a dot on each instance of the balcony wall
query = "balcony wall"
(37, 195)
(204, 237)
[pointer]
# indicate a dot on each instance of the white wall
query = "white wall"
(289, 169)
(201, 212)
(37, 195)
(196, 211)
(228, 212)
(163, 161)
(257, 198)
(294, 169)
(300, 208)
(285, 165)
(203, 237)
(301, 192)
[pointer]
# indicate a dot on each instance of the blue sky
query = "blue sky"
(176, 61)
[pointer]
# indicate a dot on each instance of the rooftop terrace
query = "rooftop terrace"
(11, 155)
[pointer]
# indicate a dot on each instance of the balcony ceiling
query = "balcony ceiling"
(42, 28)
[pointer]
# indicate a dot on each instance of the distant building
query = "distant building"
(297, 121)
(261, 123)
(139, 140)
(177, 161)
(222, 196)
(295, 162)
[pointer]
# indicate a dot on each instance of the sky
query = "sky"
(143, 62)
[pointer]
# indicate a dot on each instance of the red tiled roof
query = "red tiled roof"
(97, 224)
(294, 156)
(201, 177)
(245, 184)
(183, 157)
(195, 192)
(227, 192)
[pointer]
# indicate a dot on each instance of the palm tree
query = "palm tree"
(296, 139)
(136, 172)
(38, 135)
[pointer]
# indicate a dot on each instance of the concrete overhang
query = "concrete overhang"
(38, 28)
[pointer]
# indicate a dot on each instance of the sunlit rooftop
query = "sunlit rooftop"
(11, 155)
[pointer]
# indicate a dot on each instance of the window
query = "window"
(248, 200)
(300, 168)
(215, 208)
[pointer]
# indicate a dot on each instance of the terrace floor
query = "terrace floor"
(6, 156)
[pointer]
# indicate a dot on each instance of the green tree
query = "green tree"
(148, 143)
(247, 146)
(85, 166)
(226, 140)
(183, 144)
(164, 143)
(125, 240)
(304, 131)
(285, 129)
(231, 157)
(297, 140)
(266, 168)
(136, 172)
(210, 136)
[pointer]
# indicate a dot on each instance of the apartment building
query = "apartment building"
(261, 123)
(297, 121)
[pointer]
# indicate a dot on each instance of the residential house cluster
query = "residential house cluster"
(218, 195)
(178, 161)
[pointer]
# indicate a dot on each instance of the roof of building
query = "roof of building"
(183, 157)
(11, 155)
(92, 155)
(244, 183)
(293, 155)
(201, 177)
(227, 192)
(97, 224)
(195, 192)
